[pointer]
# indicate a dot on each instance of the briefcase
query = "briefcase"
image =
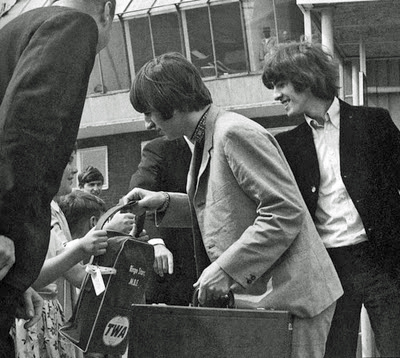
(160, 331)
(101, 321)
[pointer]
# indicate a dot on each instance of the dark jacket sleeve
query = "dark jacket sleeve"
(388, 144)
(42, 108)
(149, 176)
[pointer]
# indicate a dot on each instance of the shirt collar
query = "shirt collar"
(199, 132)
(333, 114)
(55, 206)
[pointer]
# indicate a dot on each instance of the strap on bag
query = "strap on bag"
(139, 221)
(95, 270)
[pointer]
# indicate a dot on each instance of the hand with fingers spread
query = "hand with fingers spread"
(7, 255)
(30, 309)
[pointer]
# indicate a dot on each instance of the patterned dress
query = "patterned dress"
(43, 339)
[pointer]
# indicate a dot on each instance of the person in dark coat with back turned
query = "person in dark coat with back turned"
(46, 58)
(346, 161)
(164, 166)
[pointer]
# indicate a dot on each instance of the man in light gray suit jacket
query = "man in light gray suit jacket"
(252, 232)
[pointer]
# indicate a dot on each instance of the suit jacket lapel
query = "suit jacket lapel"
(307, 154)
(348, 138)
(194, 180)
(192, 175)
(208, 140)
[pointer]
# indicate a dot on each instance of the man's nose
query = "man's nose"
(277, 94)
(148, 123)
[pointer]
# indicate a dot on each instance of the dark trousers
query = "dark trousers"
(365, 281)
(9, 299)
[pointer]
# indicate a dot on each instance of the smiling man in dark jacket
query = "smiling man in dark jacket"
(346, 161)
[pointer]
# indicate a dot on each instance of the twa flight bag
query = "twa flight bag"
(102, 318)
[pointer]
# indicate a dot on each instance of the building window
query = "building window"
(228, 38)
(166, 33)
(142, 46)
(110, 71)
(269, 22)
(212, 37)
(96, 157)
(216, 39)
(219, 37)
(200, 40)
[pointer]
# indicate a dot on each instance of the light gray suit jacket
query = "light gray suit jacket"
(252, 220)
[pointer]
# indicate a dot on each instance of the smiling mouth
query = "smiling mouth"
(285, 103)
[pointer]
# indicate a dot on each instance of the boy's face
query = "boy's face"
(295, 103)
(67, 179)
(93, 187)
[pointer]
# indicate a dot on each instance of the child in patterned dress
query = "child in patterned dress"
(61, 273)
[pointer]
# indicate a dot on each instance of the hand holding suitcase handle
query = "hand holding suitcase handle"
(227, 301)
(109, 213)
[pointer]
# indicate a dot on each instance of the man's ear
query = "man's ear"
(93, 221)
(107, 18)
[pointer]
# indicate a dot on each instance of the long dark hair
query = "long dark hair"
(305, 65)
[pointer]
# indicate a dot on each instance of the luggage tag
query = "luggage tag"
(96, 274)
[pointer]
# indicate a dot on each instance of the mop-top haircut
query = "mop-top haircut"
(305, 65)
(168, 83)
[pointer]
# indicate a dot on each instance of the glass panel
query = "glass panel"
(114, 62)
(139, 32)
(166, 33)
(228, 38)
(95, 84)
(266, 25)
(200, 40)
(290, 21)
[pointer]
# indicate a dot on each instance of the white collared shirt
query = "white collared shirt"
(337, 219)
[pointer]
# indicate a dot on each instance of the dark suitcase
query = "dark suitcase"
(160, 331)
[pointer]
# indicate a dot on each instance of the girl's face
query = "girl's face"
(67, 179)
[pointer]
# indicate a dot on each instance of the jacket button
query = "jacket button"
(313, 189)
(249, 281)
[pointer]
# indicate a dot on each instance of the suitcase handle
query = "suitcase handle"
(227, 301)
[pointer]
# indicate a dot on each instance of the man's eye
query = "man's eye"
(280, 84)
(270, 85)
